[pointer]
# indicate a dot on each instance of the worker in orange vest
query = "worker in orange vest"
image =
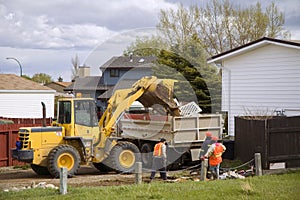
(214, 153)
(159, 161)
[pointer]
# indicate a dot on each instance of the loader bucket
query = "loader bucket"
(160, 92)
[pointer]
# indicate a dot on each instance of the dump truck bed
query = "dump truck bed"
(177, 130)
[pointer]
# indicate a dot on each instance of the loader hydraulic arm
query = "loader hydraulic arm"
(148, 90)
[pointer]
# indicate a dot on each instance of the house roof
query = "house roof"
(63, 84)
(129, 62)
(251, 46)
(86, 83)
(122, 84)
(14, 82)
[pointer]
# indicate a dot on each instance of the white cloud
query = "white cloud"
(45, 35)
(19, 30)
(72, 24)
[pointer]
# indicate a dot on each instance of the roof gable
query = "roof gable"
(251, 46)
(85, 83)
(14, 82)
(128, 62)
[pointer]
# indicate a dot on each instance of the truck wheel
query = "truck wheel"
(146, 154)
(63, 156)
(123, 157)
(40, 170)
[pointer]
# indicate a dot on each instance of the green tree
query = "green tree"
(191, 85)
(276, 22)
(185, 62)
(146, 46)
(41, 78)
(189, 60)
(220, 25)
(190, 35)
(60, 79)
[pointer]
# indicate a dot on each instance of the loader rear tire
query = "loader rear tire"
(63, 156)
(123, 157)
(40, 170)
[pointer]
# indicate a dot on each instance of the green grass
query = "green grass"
(24, 167)
(283, 186)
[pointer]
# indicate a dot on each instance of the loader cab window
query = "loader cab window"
(86, 113)
(64, 112)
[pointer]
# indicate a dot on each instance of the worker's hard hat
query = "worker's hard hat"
(162, 139)
(208, 134)
(214, 138)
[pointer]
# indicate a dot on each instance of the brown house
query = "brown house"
(58, 86)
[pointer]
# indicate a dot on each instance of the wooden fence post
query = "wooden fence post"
(138, 172)
(204, 165)
(63, 180)
(9, 147)
(258, 168)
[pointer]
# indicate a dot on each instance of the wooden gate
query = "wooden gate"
(277, 139)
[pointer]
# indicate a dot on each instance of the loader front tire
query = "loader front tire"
(63, 156)
(123, 157)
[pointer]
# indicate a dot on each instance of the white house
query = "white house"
(21, 98)
(260, 78)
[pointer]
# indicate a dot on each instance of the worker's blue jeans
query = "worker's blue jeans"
(215, 170)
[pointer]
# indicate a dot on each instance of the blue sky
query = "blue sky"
(45, 35)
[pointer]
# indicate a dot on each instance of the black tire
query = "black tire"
(146, 155)
(40, 170)
(102, 167)
(123, 157)
(63, 156)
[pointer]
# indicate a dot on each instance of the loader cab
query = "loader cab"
(78, 117)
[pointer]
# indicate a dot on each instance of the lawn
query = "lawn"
(280, 186)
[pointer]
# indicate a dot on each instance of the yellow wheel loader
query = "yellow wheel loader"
(77, 138)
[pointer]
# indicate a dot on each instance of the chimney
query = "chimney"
(83, 71)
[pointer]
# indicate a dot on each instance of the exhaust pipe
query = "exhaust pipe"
(44, 114)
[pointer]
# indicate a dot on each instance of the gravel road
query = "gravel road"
(87, 176)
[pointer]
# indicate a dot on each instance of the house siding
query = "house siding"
(26, 104)
(260, 82)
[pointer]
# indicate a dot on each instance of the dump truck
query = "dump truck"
(184, 134)
(77, 138)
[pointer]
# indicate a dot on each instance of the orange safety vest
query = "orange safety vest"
(158, 149)
(216, 157)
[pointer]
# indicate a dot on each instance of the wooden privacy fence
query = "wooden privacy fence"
(8, 135)
(277, 139)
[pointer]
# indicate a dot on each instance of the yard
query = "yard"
(90, 184)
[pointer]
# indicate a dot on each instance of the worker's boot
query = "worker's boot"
(214, 175)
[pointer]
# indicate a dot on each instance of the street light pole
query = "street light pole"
(17, 62)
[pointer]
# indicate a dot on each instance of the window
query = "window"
(114, 73)
(64, 113)
(85, 113)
